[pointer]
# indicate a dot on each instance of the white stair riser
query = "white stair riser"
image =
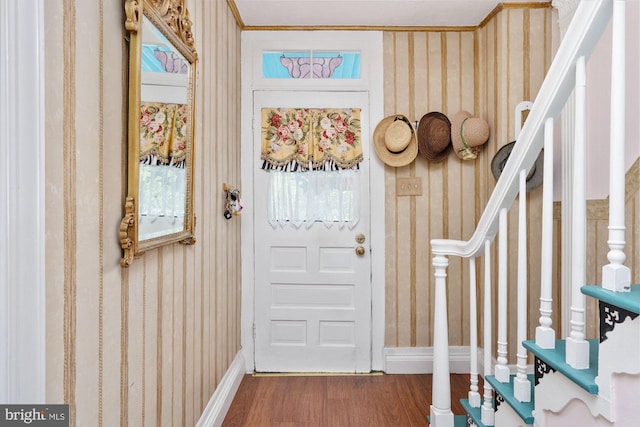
(505, 416)
(554, 392)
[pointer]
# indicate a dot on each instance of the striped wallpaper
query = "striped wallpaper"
(147, 345)
(485, 71)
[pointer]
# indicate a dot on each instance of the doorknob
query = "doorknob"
(360, 238)
(359, 250)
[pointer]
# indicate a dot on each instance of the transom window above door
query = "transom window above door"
(310, 64)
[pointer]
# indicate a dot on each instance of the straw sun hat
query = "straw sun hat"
(394, 140)
(434, 137)
(468, 133)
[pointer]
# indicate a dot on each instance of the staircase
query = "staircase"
(573, 381)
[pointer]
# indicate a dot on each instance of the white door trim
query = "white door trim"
(370, 44)
(22, 262)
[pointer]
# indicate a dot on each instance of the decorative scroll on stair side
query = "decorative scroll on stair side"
(610, 315)
(542, 368)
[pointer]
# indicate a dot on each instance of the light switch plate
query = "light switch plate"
(409, 186)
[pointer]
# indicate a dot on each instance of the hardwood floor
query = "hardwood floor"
(337, 401)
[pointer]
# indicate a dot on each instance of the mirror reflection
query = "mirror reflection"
(164, 129)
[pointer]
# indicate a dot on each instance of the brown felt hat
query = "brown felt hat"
(434, 137)
(394, 140)
(468, 133)
(535, 175)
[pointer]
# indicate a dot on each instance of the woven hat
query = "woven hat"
(468, 133)
(434, 137)
(535, 176)
(395, 142)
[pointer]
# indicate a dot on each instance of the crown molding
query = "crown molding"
(359, 28)
(236, 14)
(426, 28)
(505, 6)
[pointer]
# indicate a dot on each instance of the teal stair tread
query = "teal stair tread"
(585, 378)
(474, 413)
(458, 421)
(629, 301)
(523, 409)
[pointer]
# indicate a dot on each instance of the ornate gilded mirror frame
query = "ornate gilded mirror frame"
(167, 22)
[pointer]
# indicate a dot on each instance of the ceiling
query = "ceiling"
(366, 13)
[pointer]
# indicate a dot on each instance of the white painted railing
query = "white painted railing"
(615, 276)
(566, 75)
(486, 413)
(577, 347)
(545, 335)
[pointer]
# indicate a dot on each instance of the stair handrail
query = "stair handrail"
(586, 28)
(583, 33)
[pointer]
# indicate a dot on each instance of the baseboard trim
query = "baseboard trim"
(419, 360)
(220, 401)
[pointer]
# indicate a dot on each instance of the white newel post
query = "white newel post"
(521, 383)
(615, 275)
(545, 335)
(502, 372)
(474, 394)
(487, 414)
(577, 355)
(441, 415)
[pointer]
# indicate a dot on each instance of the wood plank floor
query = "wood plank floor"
(336, 401)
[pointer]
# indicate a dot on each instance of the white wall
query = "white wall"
(22, 337)
(598, 113)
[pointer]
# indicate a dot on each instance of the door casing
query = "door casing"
(329, 336)
(370, 43)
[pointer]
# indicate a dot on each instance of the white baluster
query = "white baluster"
(615, 275)
(545, 335)
(577, 355)
(487, 413)
(502, 370)
(474, 395)
(441, 415)
(521, 383)
(566, 10)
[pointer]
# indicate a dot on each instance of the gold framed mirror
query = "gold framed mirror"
(162, 71)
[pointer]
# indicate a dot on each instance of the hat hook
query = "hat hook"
(520, 108)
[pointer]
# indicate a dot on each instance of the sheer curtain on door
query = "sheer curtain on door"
(310, 197)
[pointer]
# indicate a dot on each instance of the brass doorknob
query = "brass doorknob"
(359, 250)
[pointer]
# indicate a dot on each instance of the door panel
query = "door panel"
(312, 292)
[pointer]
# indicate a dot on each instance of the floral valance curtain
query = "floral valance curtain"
(163, 133)
(318, 139)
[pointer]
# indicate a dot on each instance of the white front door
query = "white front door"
(312, 291)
